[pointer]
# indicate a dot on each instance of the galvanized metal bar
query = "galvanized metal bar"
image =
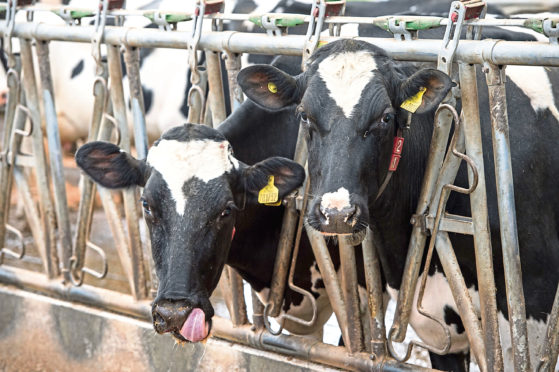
(6, 175)
(480, 219)
(45, 204)
(55, 157)
(374, 296)
(296, 346)
(87, 186)
(468, 51)
(216, 96)
(139, 289)
(287, 234)
(507, 216)
(233, 66)
(348, 271)
(550, 344)
(257, 312)
(132, 62)
(331, 282)
(462, 298)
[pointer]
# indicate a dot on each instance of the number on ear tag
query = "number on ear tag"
(269, 194)
(413, 103)
(272, 87)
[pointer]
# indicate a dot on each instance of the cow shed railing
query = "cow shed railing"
(31, 101)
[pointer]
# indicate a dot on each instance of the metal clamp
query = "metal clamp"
(99, 25)
(551, 31)
(270, 26)
(161, 21)
(10, 24)
(399, 30)
(318, 12)
(452, 34)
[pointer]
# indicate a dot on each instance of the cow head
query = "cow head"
(349, 102)
(193, 189)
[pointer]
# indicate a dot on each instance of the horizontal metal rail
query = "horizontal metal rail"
(497, 52)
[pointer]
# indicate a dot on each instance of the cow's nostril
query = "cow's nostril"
(159, 323)
(350, 213)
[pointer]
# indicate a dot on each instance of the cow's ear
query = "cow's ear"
(268, 86)
(288, 175)
(111, 167)
(427, 87)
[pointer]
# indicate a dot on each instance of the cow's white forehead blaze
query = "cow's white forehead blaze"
(180, 161)
(345, 76)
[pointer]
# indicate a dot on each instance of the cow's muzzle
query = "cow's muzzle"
(184, 322)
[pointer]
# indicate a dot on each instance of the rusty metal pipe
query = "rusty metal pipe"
(550, 345)
(480, 219)
(45, 204)
(55, 157)
(374, 296)
(139, 288)
(461, 298)
(507, 216)
(326, 267)
(351, 295)
(235, 298)
(287, 234)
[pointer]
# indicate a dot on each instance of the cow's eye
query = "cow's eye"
(146, 207)
(304, 117)
(227, 211)
(387, 117)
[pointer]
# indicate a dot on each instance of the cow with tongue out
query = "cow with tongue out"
(193, 189)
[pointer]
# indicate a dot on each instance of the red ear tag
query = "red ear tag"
(233, 233)
(396, 153)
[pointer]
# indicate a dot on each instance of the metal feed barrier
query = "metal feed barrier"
(31, 102)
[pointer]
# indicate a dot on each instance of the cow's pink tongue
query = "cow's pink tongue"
(195, 328)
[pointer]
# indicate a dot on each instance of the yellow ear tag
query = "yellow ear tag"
(272, 87)
(413, 103)
(269, 194)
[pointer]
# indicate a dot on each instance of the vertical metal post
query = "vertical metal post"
(6, 175)
(237, 305)
(45, 205)
(132, 61)
(55, 156)
(139, 290)
(257, 312)
(461, 298)
(287, 234)
(507, 216)
(351, 296)
(480, 219)
(374, 296)
(550, 345)
(233, 66)
(216, 97)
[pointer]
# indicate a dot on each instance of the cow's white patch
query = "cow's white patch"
(534, 82)
(335, 200)
(345, 76)
(180, 161)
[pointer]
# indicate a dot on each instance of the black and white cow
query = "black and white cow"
(349, 104)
